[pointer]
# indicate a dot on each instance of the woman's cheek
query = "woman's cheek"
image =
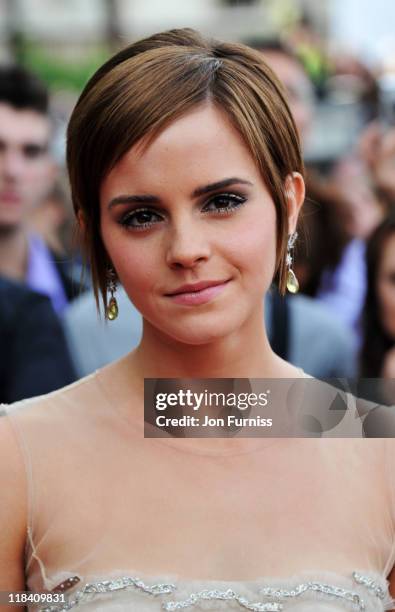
(137, 272)
(131, 261)
(259, 255)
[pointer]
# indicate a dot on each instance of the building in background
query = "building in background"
(72, 27)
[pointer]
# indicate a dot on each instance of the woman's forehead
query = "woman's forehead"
(202, 141)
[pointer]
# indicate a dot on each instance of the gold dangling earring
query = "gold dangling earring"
(292, 281)
(112, 306)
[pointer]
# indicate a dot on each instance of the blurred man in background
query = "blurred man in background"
(34, 358)
(33, 354)
(27, 175)
(342, 208)
(291, 72)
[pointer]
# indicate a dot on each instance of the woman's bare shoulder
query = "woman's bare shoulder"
(11, 462)
(13, 510)
(52, 405)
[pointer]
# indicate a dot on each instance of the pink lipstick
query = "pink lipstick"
(200, 293)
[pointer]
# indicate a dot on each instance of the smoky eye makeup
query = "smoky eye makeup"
(140, 218)
(145, 217)
(225, 203)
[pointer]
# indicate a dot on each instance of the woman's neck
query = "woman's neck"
(245, 354)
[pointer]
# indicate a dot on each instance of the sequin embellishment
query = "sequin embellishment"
(92, 589)
(276, 594)
(370, 584)
(319, 587)
(215, 594)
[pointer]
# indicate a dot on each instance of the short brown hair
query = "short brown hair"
(150, 84)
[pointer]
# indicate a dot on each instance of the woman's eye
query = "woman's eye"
(145, 218)
(224, 203)
(140, 219)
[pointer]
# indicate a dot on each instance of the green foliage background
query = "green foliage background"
(59, 72)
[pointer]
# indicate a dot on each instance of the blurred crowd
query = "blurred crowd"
(342, 322)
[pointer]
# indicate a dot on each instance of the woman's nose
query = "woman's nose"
(188, 245)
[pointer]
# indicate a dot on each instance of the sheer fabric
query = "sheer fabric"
(216, 522)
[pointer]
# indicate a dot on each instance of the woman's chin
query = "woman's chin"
(197, 329)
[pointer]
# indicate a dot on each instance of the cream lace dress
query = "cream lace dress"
(122, 522)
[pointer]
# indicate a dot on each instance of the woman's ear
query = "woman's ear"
(295, 193)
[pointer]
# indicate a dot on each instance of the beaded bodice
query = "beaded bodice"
(328, 593)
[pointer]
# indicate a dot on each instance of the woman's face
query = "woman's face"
(191, 208)
(386, 286)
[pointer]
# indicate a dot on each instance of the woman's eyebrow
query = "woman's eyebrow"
(199, 191)
(219, 185)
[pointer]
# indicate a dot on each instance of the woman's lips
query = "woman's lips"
(198, 297)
